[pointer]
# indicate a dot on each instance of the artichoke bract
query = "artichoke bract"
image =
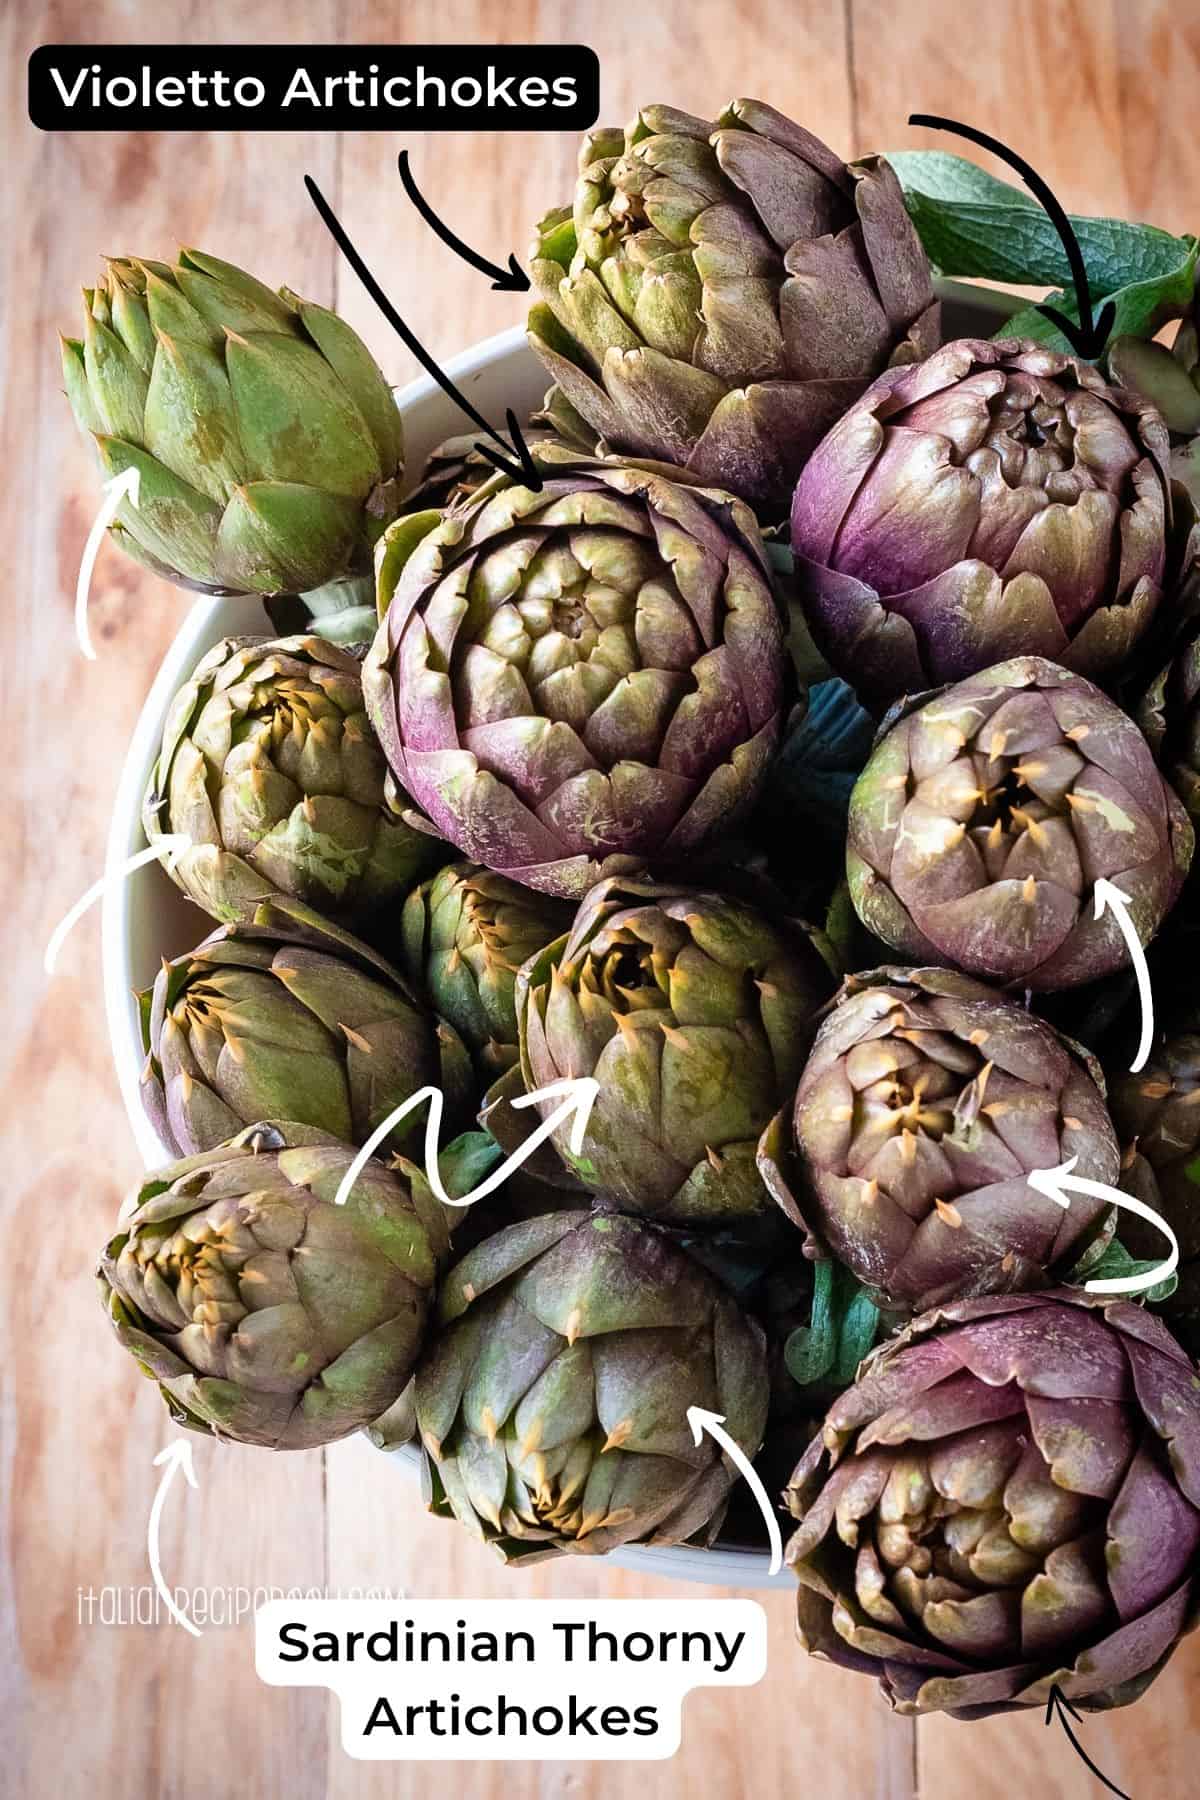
(574, 681)
(552, 1398)
(1006, 1500)
(999, 499)
(693, 1011)
(720, 290)
(287, 1016)
(986, 815)
(1169, 380)
(267, 443)
(265, 1312)
(465, 935)
(270, 766)
(926, 1103)
(1169, 716)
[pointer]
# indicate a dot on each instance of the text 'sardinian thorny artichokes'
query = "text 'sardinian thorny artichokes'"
(925, 1104)
(575, 681)
(264, 1311)
(288, 1017)
(693, 1012)
(552, 1399)
(986, 815)
(465, 934)
(999, 499)
(1006, 1500)
(720, 290)
(267, 442)
(270, 766)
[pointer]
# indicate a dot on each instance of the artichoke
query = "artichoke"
(288, 1017)
(693, 1012)
(553, 1395)
(265, 1312)
(465, 934)
(1169, 380)
(574, 681)
(270, 767)
(721, 290)
(1000, 499)
(986, 815)
(267, 442)
(925, 1104)
(1169, 715)
(1006, 1500)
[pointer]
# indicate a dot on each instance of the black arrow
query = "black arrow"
(1060, 1705)
(512, 280)
(523, 471)
(1089, 337)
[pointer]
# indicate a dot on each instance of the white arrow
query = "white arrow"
(714, 1423)
(1108, 895)
(1059, 1184)
(124, 486)
(177, 1455)
(171, 845)
(580, 1094)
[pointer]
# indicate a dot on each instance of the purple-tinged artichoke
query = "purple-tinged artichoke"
(986, 815)
(720, 291)
(1007, 1500)
(265, 1312)
(1169, 716)
(1169, 380)
(1000, 499)
(927, 1101)
(693, 1012)
(553, 1395)
(575, 681)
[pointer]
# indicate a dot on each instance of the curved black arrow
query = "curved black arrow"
(512, 280)
(1089, 337)
(1060, 1705)
(523, 471)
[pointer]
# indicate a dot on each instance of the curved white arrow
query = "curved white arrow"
(1059, 1184)
(580, 1094)
(1109, 896)
(120, 487)
(714, 1423)
(171, 845)
(177, 1455)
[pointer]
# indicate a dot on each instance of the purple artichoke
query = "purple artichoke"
(1169, 715)
(924, 1106)
(577, 680)
(1006, 1500)
(998, 499)
(720, 290)
(1157, 1116)
(986, 815)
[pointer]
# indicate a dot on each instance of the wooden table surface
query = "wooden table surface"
(1101, 97)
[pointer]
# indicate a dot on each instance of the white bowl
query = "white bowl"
(146, 917)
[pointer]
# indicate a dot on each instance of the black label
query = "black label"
(314, 87)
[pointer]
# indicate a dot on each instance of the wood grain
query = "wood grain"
(1101, 98)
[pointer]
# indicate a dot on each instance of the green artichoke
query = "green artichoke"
(552, 1397)
(721, 290)
(267, 442)
(465, 934)
(287, 1016)
(693, 1012)
(270, 766)
(265, 1312)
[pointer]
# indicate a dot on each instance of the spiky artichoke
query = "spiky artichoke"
(267, 443)
(552, 1398)
(1170, 380)
(1169, 715)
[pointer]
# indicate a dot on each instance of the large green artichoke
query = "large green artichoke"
(721, 290)
(573, 682)
(553, 1395)
(267, 442)
(986, 815)
(270, 766)
(288, 1017)
(926, 1103)
(265, 1312)
(693, 1012)
(1007, 1500)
